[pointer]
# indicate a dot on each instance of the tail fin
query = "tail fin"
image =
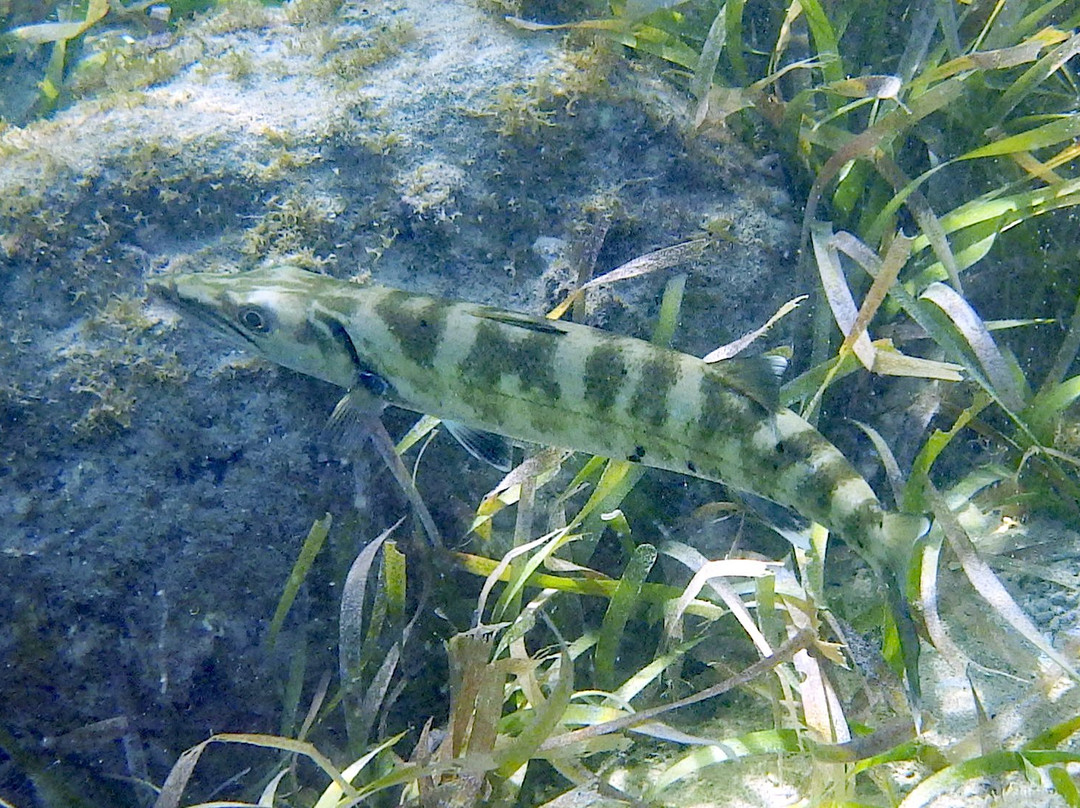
(901, 531)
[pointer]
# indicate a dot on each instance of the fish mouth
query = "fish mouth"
(167, 290)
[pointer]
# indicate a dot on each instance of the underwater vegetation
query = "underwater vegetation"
(935, 146)
(75, 50)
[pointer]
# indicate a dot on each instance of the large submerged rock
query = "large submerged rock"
(157, 484)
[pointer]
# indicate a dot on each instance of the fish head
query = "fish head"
(275, 311)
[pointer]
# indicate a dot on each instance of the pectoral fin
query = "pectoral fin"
(780, 519)
(350, 423)
(493, 449)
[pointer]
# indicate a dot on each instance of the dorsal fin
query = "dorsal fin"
(755, 376)
(526, 321)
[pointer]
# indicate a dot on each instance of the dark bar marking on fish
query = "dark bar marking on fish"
(418, 329)
(605, 372)
(721, 411)
(342, 305)
(494, 355)
(659, 375)
(816, 489)
(854, 525)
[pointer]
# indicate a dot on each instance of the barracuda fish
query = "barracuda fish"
(486, 370)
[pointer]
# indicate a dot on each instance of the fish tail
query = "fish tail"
(900, 533)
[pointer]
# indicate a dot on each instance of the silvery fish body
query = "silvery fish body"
(549, 382)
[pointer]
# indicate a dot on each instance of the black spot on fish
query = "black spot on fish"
(691, 467)
(639, 453)
(605, 372)
(799, 448)
(659, 374)
(417, 326)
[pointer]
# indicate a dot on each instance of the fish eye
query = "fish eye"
(253, 319)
